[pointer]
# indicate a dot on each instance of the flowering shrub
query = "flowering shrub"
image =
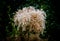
(31, 20)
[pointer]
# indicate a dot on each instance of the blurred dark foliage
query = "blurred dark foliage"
(51, 7)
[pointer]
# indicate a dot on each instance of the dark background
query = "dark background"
(51, 7)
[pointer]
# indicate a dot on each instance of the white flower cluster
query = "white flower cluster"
(35, 18)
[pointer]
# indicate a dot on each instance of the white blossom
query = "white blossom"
(35, 18)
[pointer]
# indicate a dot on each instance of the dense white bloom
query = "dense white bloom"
(29, 16)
